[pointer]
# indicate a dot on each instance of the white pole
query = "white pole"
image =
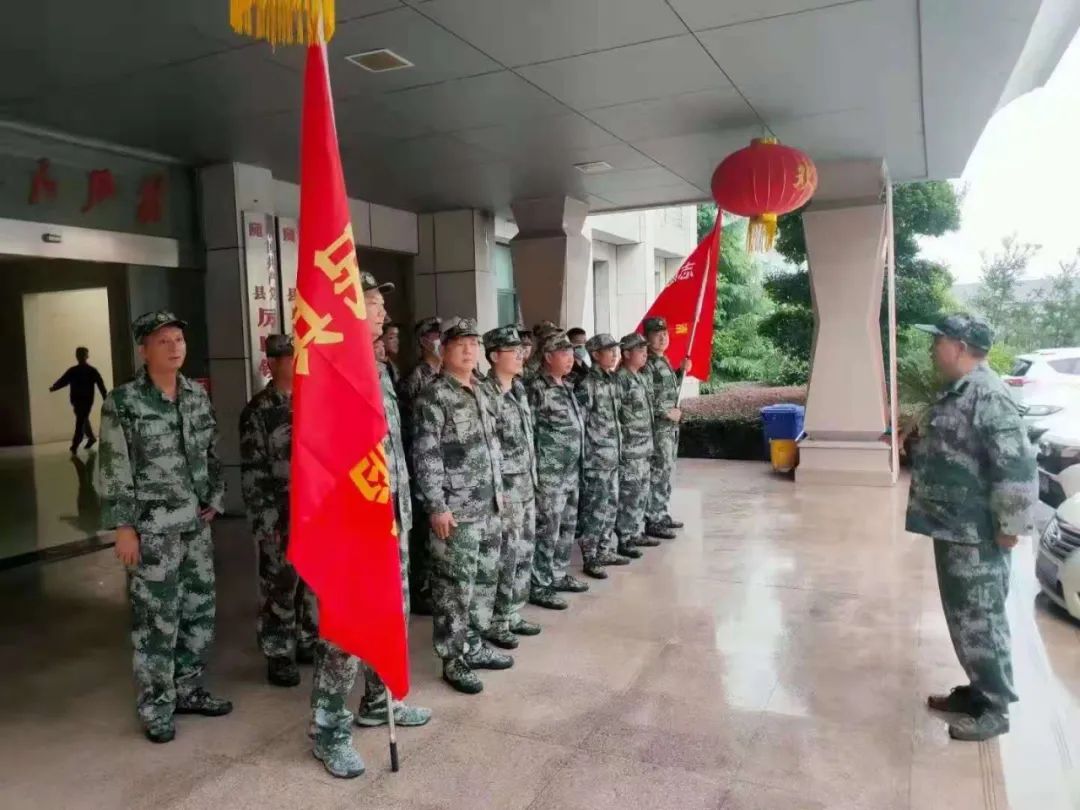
(890, 270)
(393, 732)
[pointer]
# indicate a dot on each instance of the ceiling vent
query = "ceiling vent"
(380, 61)
(596, 167)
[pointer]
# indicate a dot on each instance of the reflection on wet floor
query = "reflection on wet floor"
(776, 655)
(47, 500)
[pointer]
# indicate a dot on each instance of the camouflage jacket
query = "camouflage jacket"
(515, 428)
(394, 448)
(635, 414)
(558, 427)
(664, 388)
(157, 464)
(408, 390)
(598, 393)
(974, 471)
(265, 453)
(456, 455)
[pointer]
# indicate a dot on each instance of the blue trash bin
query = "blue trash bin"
(783, 421)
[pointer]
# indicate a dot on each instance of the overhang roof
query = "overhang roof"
(507, 95)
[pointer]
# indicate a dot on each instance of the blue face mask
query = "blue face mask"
(581, 355)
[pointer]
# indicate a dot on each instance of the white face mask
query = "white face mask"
(434, 345)
(582, 356)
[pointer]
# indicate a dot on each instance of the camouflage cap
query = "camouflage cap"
(556, 341)
(600, 341)
(279, 346)
(635, 340)
(503, 337)
(368, 282)
(460, 327)
(426, 325)
(972, 330)
(654, 324)
(150, 322)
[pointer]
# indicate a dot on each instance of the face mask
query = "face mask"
(432, 345)
(581, 355)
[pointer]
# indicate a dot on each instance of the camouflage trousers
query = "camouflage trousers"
(599, 504)
(633, 498)
(665, 450)
(288, 612)
(336, 670)
(518, 545)
(464, 578)
(172, 609)
(556, 520)
(974, 584)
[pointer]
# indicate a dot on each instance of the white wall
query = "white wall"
(55, 323)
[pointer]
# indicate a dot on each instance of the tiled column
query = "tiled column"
(227, 190)
(453, 270)
(846, 411)
(552, 260)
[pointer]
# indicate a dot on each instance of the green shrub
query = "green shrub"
(728, 425)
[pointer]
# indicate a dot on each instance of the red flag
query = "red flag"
(343, 540)
(688, 304)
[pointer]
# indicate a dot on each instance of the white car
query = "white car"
(1057, 561)
(1058, 446)
(1046, 376)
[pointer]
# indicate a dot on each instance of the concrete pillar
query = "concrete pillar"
(227, 191)
(453, 272)
(846, 413)
(552, 260)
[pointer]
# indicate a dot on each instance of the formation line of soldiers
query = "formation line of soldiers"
(500, 466)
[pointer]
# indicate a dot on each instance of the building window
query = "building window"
(505, 292)
(659, 274)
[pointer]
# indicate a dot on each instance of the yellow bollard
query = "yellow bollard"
(784, 454)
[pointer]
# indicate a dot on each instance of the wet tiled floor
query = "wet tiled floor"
(776, 655)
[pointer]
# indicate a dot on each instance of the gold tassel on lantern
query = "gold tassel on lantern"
(761, 233)
(284, 22)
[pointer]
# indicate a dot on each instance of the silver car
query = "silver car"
(1057, 561)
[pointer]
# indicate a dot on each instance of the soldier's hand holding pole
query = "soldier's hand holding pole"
(127, 546)
(442, 524)
(1007, 541)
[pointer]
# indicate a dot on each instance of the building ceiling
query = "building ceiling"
(507, 95)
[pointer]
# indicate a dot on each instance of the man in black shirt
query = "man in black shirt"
(81, 379)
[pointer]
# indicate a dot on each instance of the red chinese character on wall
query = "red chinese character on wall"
(255, 229)
(264, 367)
(262, 343)
(267, 317)
(288, 234)
(42, 186)
(151, 192)
(100, 187)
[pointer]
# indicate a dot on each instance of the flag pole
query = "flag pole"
(700, 299)
(393, 732)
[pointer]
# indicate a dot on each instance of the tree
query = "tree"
(1057, 307)
(922, 287)
(999, 296)
(706, 218)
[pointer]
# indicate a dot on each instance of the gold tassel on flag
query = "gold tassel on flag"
(283, 22)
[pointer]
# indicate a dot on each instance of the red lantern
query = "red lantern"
(762, 181)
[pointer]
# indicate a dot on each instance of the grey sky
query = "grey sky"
(1023, 177)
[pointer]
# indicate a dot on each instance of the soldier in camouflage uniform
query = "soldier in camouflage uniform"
(527, 346)
(457, 462)
(558, 427)
(541, 332)
(514, 422)
(636, 421)
(664, 385)
(287, 625)
(428, 333)
(598, 394)
(336, 670)
(973, 487)
(159, 480)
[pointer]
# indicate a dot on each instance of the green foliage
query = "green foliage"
(791, 329)
(706, 218)
(1048, 319)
